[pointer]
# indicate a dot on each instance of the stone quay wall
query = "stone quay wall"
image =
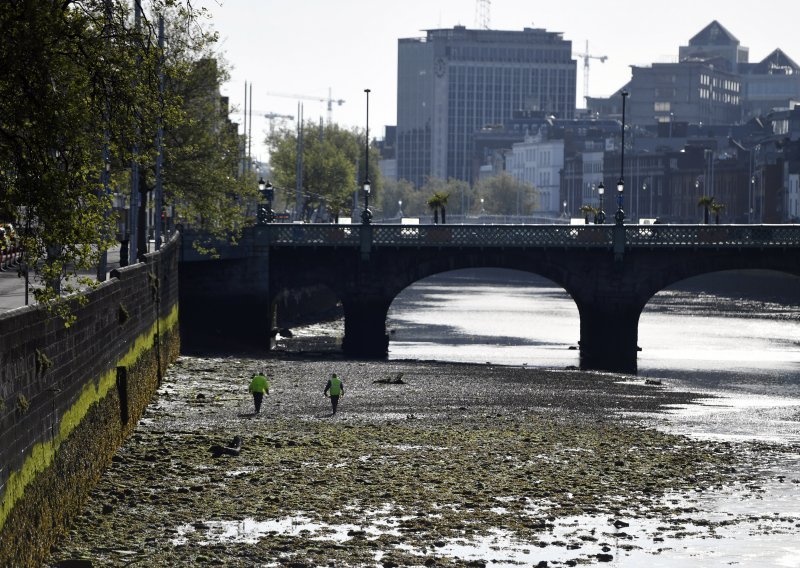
(70, 395)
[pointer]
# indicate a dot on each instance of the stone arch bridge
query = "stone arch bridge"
(609, 271)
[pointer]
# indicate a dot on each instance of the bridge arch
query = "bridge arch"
(485, 306)
(701, 307)
(386, 276)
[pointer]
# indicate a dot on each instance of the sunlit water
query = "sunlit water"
(746, 351)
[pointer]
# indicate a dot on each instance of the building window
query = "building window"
(662, 106)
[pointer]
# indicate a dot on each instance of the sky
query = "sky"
(309, 48)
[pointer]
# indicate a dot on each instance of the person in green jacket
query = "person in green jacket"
(336, 388)
(259, 386)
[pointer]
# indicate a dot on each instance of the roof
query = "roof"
(714, 34)
(776, 63)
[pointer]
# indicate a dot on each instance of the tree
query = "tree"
(443, 206)
(79, 91)
(330, 155)
(394, 192)
(716, 208)
(202, 156)
(587, 210)
(438, 202)
(705, 202)
(502, 193)
(433, 205)
(451, 186)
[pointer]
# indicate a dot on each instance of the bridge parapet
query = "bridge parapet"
(535, 236)
(670, 236)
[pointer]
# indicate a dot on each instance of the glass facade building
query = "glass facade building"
(456, 82)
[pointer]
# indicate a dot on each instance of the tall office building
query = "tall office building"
(455, 82)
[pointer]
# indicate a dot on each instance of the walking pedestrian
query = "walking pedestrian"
(259, 386)
(336, 387)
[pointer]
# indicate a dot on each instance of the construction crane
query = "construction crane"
(330, 100)
(272, 116)
(586, 57)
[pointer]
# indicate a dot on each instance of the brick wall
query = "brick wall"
(70, 395)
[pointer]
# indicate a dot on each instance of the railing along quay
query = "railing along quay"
(535, 236)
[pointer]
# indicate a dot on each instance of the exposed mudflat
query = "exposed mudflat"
(453, 465)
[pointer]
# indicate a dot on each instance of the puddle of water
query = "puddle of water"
(735, 418)
(250, 531)
(723, 529)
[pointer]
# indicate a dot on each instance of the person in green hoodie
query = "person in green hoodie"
(336, 388)
(259, 386)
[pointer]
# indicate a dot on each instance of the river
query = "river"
(708, 334)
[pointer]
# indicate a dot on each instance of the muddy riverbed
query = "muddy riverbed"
(425, 464)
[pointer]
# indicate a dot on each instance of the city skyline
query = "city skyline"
(319, 46)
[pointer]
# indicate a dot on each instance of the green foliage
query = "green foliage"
(395, 191)
(202, 155)
(716, 208)
(43, 362)
(705, 202)
(79, 79)
(438, 203)
(22, 403)
(589, 211)
(330, 156)
(122, 314)
(441, 190)
(505, 195)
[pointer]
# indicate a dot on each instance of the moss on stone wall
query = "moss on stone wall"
(54, 479)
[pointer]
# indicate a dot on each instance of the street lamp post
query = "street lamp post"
(399, 208)
(270, 191)
(265, 189)
(601, 215)
(366, 215)
(619, 216)
(564, 204)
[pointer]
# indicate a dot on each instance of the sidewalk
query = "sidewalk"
(12, 286)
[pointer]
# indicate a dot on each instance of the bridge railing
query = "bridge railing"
(522, 236)
(712, 235)
(529, 236)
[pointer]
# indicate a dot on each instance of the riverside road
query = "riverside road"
(12, 284)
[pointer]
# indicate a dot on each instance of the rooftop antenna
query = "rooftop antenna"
(482, 19)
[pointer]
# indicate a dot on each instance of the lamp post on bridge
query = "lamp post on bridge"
(366, 215)
(619, 216)
(601, 215)
(266, 190)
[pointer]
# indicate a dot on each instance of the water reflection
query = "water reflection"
(512, 318)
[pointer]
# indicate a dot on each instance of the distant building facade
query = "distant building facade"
(692, 91)
(773, 83)
(538, 161)
(456, 82)
(713, 83)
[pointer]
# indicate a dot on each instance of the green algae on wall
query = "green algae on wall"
(42, 454)
(86, 387)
